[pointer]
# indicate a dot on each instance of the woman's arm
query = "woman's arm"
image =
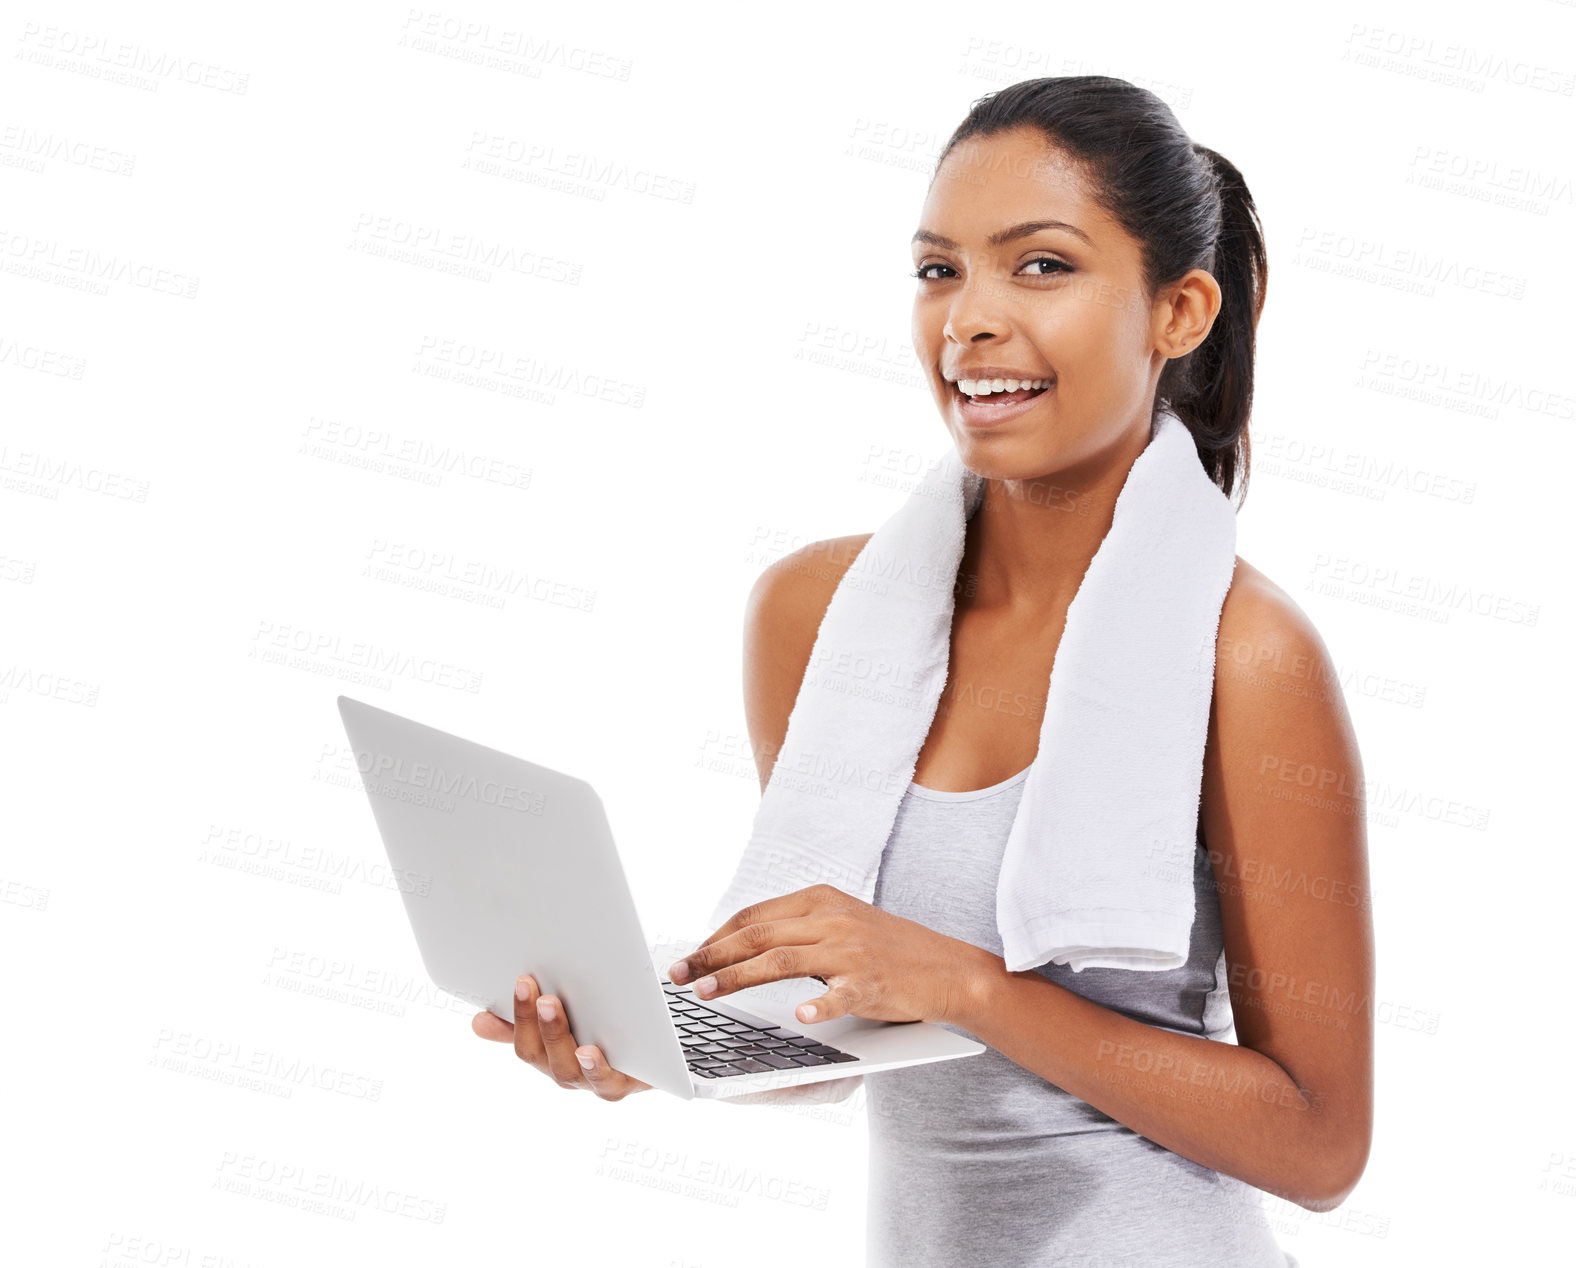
(781, 619)
(1290, 1110)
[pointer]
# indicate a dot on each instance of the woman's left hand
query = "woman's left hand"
(876, 965)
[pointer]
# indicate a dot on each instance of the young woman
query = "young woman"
(1075, 240)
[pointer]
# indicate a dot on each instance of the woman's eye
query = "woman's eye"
(1054, 266)
(1057, 266)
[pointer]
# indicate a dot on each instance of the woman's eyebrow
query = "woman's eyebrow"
(1004, 236)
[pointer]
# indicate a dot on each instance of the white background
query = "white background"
(229, 352)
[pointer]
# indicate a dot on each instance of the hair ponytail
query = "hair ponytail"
(1211, 388)
(1188, 208)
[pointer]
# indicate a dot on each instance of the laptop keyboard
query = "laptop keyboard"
(719, 1044)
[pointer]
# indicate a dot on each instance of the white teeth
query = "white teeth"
(985, 387)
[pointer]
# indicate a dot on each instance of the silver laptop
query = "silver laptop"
(509, 867)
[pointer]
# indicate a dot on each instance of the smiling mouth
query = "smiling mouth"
(1002, 398)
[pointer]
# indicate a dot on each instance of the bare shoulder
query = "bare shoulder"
(1254, 601)
(1266, 640)
(782, 617)
(1275, 681)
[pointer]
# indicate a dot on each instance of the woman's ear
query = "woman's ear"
(1186, 312)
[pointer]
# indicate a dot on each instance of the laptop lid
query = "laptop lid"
(518, 874)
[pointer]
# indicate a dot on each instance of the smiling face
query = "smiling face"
(1002, 291)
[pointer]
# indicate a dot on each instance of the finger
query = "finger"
(797, 935)
(527, 1032)
(491, 1026)
(558, 1042)
(605, 1081)
(826, 1007)
(773, 964)
(795, 904)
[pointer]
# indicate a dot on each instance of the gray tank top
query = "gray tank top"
(980, 1161)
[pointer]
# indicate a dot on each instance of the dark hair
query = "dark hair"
(1188, 208)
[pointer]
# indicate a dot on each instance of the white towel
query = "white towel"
(1098, 869)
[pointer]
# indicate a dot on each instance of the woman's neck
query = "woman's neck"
(1027, 547)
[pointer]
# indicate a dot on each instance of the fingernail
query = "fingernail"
(679, 971)
(522, 987)
(544, 1009)
(807, 1013)
(705, 986)
(586, 1060)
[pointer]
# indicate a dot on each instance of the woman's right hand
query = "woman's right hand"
(546, 1044)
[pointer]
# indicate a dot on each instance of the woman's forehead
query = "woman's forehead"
(988, 184)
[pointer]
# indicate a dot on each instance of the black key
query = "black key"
(841, 1056)
(749, 1065)
(804, 1041)
(825, 1049)
(776, 1062)
(800, 1057)
(705, 1074)
(723, 1071)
